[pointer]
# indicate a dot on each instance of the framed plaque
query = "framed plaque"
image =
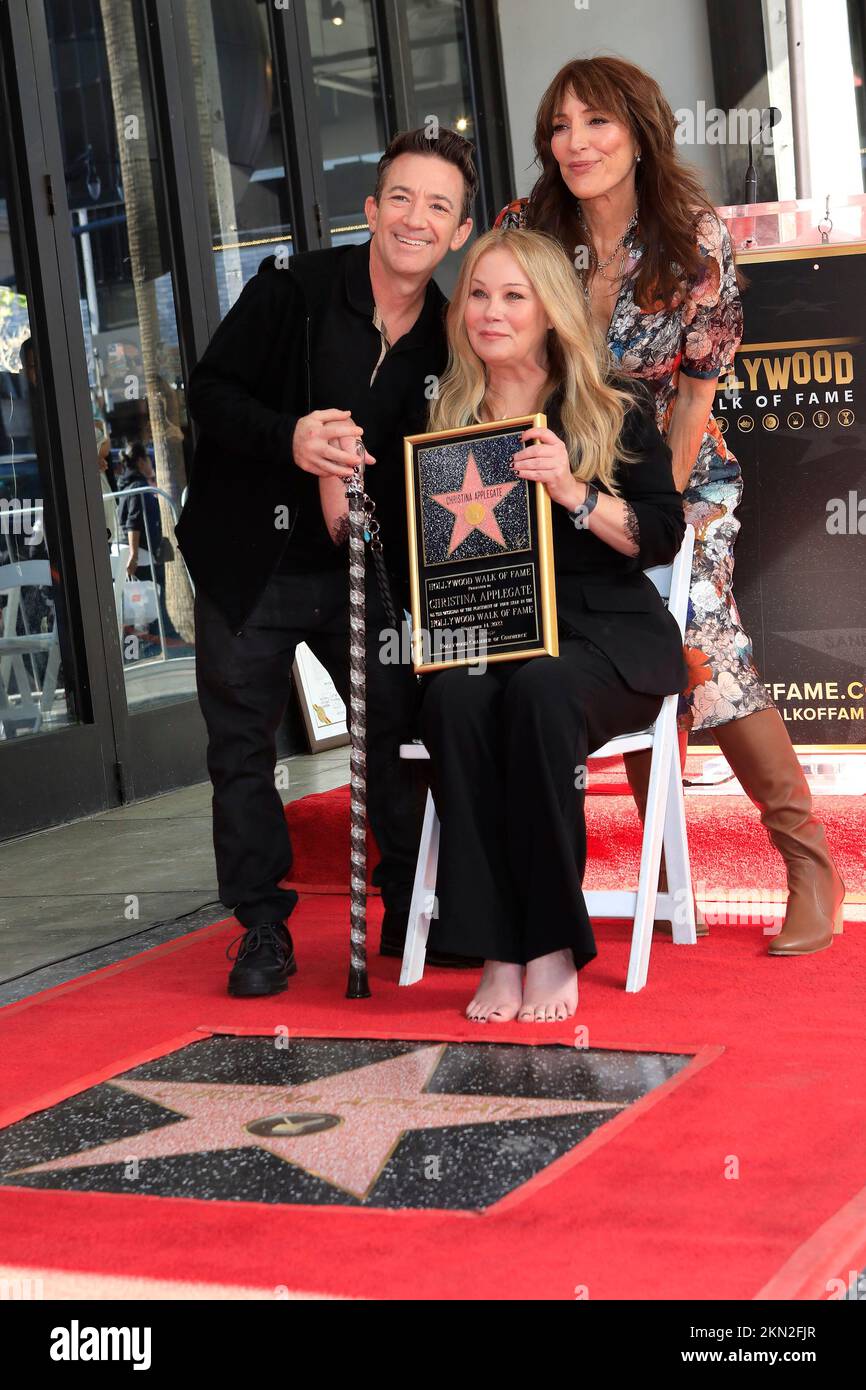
(480, 549)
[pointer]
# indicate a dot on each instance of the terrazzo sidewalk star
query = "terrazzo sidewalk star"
(473, 506)
(341, 1129)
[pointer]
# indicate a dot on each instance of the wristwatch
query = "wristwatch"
(580, 516)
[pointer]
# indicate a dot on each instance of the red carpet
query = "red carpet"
(728, 845)
(743, 1178)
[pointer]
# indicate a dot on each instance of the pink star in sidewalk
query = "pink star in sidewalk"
(473, 505)
(342, 1129)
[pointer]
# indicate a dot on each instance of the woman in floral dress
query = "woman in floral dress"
(658, 272)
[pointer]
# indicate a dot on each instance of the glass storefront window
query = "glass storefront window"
(129, 321)
(239, 124)
(441, 87)
(441, 84)
(350, 112)
(37, 691)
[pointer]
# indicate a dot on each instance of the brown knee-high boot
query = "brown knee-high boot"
(637, 770)
(763, 760)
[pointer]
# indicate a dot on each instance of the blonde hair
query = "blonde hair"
(593, 408)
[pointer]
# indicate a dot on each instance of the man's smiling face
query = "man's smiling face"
(417, 219)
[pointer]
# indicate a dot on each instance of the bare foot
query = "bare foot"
(498, 996)
(550, 991)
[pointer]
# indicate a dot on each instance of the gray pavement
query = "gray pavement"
(90, 893)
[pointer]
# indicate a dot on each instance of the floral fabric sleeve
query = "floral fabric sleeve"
(514, 215)
(712, 313)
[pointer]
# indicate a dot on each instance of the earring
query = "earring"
(637, 158)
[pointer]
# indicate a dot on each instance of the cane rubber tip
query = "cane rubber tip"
(358, 987)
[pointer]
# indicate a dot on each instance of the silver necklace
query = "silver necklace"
(619, 250)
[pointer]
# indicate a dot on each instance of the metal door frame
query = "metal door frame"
(70, 772)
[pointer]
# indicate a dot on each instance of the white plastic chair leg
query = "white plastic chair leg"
(49, 682)
(651, 847)
(423, 902)
(679, 873)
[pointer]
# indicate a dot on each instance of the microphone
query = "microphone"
(770, 117)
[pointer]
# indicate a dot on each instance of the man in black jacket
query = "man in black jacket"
(318, 352)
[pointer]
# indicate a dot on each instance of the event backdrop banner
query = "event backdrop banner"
(794, 413)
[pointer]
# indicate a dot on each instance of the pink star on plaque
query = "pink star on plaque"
(342, 1129)
(473, 505)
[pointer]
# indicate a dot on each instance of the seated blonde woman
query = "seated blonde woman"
(507, 746)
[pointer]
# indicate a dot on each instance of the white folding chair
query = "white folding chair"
(665, 824)
(27, 704)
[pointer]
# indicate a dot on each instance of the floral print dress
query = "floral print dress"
(697, 337)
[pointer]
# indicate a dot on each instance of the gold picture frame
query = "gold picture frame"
(510, 632)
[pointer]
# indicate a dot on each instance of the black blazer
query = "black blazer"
(246, 395)
(604, 595)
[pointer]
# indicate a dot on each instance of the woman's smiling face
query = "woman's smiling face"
(504, 316)
(595, 151)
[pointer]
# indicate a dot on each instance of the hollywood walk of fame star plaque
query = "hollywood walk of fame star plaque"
(350, 1122)
(480, 549)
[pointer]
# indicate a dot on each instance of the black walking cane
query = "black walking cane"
(358, 986)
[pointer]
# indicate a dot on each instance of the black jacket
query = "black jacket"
(604, 595)
(247, 393)
(139, 511)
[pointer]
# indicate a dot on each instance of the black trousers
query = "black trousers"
(244, 685)
(507, 750)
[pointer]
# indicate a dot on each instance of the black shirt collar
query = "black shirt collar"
(359, 292)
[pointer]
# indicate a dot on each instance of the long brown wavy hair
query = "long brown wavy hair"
(671, 199)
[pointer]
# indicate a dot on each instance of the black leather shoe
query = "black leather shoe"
(265, 959)
(394, 926)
